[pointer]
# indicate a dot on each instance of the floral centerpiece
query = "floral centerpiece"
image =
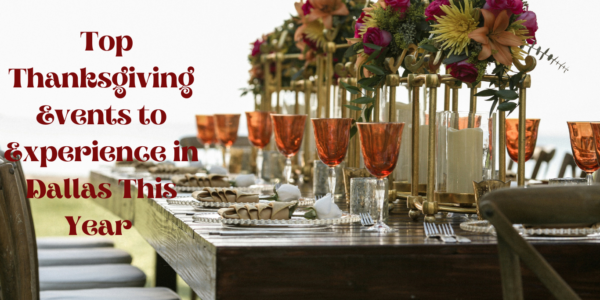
(321, 21)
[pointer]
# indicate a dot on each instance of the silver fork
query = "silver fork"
(431, 231)
(450, 231)
(365, 219)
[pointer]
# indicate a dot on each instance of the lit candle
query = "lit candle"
(465, 159)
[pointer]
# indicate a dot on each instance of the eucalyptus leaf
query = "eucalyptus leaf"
(429, 48)
(486, 93)
(368, 88)
(454, 58)
(369, 112)
(353, 131)
(368, 81)
(352, 107)
(493, 106)
(373, 46)
(363, 100)
(507, 106)
(507, 94)
(350, 88)
(375, 69)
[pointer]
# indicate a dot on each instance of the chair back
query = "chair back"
(545, 155)
(536, 206)
(569, 161)
(18, 253)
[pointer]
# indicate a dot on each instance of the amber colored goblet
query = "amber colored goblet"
(259, 134)
(380, 144)
(596, 130)
(289, 130)
(227, 129)
(332, 137)
(512, 137)
(206, 133)
(584, 148)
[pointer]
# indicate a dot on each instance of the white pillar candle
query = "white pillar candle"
(465, 159)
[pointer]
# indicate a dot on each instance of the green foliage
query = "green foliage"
(550, 57)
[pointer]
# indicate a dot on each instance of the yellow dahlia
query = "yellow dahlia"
(453, 29)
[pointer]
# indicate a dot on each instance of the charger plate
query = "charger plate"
(486, 227)
(216, 218)
(189, 201)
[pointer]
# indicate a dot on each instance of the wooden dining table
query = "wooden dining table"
(337, 263)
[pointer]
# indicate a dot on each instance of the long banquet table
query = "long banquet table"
(345, 264)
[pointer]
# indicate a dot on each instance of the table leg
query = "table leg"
(164, 274)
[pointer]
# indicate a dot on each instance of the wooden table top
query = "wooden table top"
(344, 263)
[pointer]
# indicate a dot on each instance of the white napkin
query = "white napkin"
(217, 170)
(327, 209)
(288, 192)
(245, 180)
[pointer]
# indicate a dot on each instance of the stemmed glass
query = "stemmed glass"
(227, 129)
(259, 134)
(331, 138)
(289, 130)
(512, 138)
(584, 148)
(206, 133)
(380, 144)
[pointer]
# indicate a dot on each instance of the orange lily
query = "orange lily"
(326, 9)
(494, 37)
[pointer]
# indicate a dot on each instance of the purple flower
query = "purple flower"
(306, 7)
(434, 9)
(256, 48)
(531, 24)
(513, 6)
(359, 25)
(464, 71)
(401, 5)
(377, 37)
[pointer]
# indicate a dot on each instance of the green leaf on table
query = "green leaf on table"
(507, 106)
(430, 48)
(363, 100)
(311, 214)
(352, 107)
(375, 69)
(486, 93)
(454, 58)
(507, 94)
(373, 46)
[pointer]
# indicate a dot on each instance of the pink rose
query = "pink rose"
(256, 48)
(377, 37)
(513, 6)
(359, 25)
(401, 5)
(434, 9)
(306, 7)
(464, 71)
(531, 24)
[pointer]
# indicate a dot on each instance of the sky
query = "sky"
(213, 37)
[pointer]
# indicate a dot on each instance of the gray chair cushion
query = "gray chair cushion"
(112, 294)
(60, 242)
(90, 277)
(86, 256)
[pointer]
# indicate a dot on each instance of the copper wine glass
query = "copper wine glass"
(512, 137)
(584, 148)
(227, 129)
(289, 130)
(259, 134)
(206, 133)
(380, 144)
(332, 137)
